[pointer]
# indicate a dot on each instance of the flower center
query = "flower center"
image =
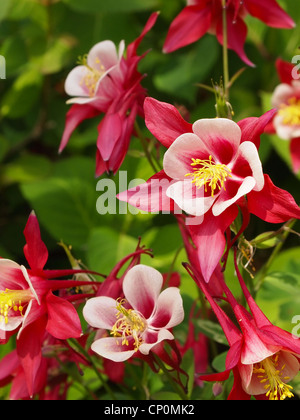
(91, 78)
(129, 323)
(272, 376)
(209, 173)
(13, 300)
(290, 113)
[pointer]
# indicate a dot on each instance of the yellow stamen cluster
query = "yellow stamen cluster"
(291, 112)
(13, 300)
(208, 173)
(129, 324)
(91, 78)
(273, 377)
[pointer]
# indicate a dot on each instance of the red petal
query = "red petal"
(150, 196)
(210, 239)
(75, 116)
(270, 13)
(132, 48)
(164, 121)
(29, 345)
(63, 321)
(189, 26)
(253, 128)
(295, 153)
(216, 377)
(110, 130)
(35, 250)
(272, 204)
(237, 34)
(284, 70)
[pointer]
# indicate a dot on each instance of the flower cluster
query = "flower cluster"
(209, 174)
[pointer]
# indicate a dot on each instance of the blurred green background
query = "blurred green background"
(41, 41)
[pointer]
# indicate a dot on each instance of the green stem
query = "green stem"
(85, 353)
(225, 51)
(174, 385)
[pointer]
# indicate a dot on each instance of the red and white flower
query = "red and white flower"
(211, 168)
(108, 84)
(88, 82)
(286, 99)
(138, 322)
(16, 296)
(206, 16)
(30, 304)
(264, 358)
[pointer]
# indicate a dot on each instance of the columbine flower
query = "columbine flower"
(264, 358)
(30, 304)
(202, 16)
(210, 168)
(138, 322)
(107, 83)
(16, 297)
(286, 99)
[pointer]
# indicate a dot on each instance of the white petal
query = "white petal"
(13, 323)
(183, 193)
(111, 348)
(250, 153)
(178, 158)
(169, 310)
(100, 312)
(221, 205)
(74, 85)
(103, 56)
(161, 336)
(282, 94)
(285, 131)
(221, 136)
(142, 286)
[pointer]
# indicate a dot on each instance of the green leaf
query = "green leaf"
(212, 330)
(66, 202)
(163, 240)
(119, 6)
(165, 396)
(4, 7)
(180, 75)
(23, 95)
(279, 298)
(27, 168)
(219, 362)
(57, 55)
(106, 247)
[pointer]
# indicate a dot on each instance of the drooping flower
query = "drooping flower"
(209, 169)
(109, 84)
(286, 99)
(202, 16)
(138, 322)
(263, 358)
